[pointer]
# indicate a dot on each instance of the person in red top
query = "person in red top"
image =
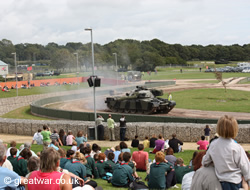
(141, 158)
(203, 143)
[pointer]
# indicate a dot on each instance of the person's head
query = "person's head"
(160, 136)
(179, 162)
(79, 156)
(70, 153)
(27, 145)
(194, 154)
(2, 154)
(111, 156)
(49, 160)
(197, 160)
(55, 131)
(62, 152)
(120, 157)
(117, 148)
(173, 135)
(45, 127)
(74, 143)
(95, 147)
(33, 164)
(39, 130)
(169, 151)
(101, 156)
(25, 153)
(70, 133)
(13, 151)
(38, 154)
(123, 116)
(13, 144)
(79, 134)
(159, 157)
(81, 146)
(207, 126)
(54, 142)
(99, 116)
(110, 115)
(96, 156)
(136, 136)
(154, 136)
(227, 127)
(126, 156)
(146, 137)
(140, 147)
(123, 145)
(203, 137)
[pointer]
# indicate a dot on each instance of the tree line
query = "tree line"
(139, 55)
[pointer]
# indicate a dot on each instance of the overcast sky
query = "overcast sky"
(185, 22)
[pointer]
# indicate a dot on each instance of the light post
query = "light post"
(16, 73)
(116, 68)
(76, 67)
(93, 73)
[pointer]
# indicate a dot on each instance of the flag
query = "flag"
(29, 68)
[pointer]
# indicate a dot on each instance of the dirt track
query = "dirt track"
(82, 105)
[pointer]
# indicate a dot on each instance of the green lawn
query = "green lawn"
(213, 100)
(186, 156)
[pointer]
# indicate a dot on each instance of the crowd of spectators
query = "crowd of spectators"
(222, 165)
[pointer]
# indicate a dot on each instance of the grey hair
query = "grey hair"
(2, 151)
(27, 145)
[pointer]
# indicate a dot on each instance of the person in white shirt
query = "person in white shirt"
(38, 137)
(229, 158)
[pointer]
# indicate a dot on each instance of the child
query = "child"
(109, 164)
(135, 142)
(100, 165)
(229, 158)
(70, 138)
(90, 166)
(74, 146)
(146, 142)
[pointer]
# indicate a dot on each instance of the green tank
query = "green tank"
(140, 100)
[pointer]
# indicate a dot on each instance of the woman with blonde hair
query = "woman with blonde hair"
(47, 175)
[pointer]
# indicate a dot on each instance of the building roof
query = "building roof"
(2, 63)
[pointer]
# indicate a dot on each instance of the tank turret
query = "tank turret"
(140, 100)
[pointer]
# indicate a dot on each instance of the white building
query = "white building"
(243, 64)
(3, 68)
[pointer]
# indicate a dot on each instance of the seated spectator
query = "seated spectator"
(81, 139)
(107, 151)
(38, 137)
(54, 144)
(117, 152)
(181, 170)
(91, 169)
(20, 163)
(141, 158)
(33, 164)
(49, 162)
(100, 165)
(28, 145)
(161, 175)
(70, 154)
(62, 136)
(13, 152)
(14, 177)
(55, 136)
(109, 164)
(74, 146)
(124, 147)
(135, 142)
(187, 178)
(170, 156)
(95, 150)
(63, 159)
(122, 173)
(159, 144)
(146, 142)
(191, 161)
(202, 143)
(69, 139)
(12, 145)
(175, 144)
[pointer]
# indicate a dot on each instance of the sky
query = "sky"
(186, 22)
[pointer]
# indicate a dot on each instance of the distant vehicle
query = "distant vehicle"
(246, 70)
(122, 70)
(221, 61)
(39, 75)
(134, 75)
(56, 73)
(48, 73)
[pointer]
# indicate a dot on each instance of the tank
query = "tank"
(140, 100)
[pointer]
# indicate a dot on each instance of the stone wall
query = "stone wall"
(187, 132)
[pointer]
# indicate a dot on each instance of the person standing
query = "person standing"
(122, 128)
(207, 133)
(111, 127)
(169, 96)
(46, 136)
(100, 127)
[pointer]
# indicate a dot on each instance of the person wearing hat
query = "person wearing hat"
(111, 127)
